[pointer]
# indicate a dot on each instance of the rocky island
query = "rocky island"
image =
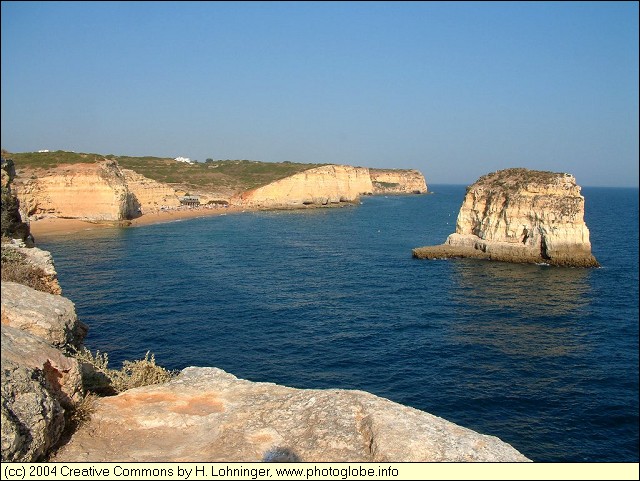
(523, 216)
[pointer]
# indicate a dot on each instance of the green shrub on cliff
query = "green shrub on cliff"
(98, 377)
(48, 160)
(142, 372)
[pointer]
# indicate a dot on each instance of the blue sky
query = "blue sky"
(455, 90)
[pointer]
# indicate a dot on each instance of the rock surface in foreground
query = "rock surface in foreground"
(38, 383)
(520, 215)
(50, 317)
(206, 414)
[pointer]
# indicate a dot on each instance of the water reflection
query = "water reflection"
(521, 310)
(531, 290)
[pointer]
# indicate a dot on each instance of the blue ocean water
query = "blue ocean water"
(545, 358)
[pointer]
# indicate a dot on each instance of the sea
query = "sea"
(545, 358)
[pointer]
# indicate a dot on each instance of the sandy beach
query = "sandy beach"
(58, 226)
(49, 226)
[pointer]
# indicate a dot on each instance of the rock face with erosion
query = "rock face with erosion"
(150, 194)
(50, 317)
(397, 182)
(104, 192)
(12, 224)
(328, 184)
(206, 414)
(39, 383)
(95, 192)
(520, 215)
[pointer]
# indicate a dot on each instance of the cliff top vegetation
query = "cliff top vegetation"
(234, 175)
(384, 171)
(515, 179)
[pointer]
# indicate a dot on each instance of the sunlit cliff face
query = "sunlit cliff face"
(520, 215)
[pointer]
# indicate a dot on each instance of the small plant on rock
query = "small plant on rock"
(15, 268)
(143, 372)
(99, 378)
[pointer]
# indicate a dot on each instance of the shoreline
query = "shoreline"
(49, 226)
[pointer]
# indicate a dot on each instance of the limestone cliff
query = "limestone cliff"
(39, 383)
(329, 184)
(48, 316)
(208, 414)
(96, 192)
(12, 225)
(520, 215)
(7, 172)
(150, 194)
(103, 191)
(397, 181)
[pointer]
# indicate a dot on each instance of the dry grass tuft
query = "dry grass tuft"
(82, 410)
(98, 377)
(15, 268)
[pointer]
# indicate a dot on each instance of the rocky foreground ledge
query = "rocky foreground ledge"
(208, 414)
(521, 216)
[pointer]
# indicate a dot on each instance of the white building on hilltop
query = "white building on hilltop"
(186, 160)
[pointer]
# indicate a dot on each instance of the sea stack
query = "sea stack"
(523, 216)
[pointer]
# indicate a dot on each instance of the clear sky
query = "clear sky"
(456, 90)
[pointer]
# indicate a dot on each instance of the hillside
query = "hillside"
(223, 177)
(110, 188)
